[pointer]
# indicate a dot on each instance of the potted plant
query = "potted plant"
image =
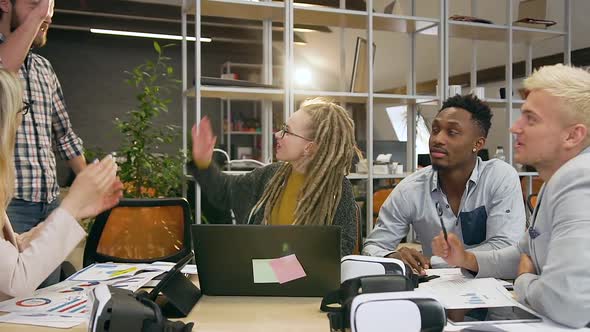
(144, 169)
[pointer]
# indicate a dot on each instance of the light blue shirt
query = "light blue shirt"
(491, 214)
(559, 248)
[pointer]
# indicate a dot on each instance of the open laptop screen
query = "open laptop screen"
(254, 260)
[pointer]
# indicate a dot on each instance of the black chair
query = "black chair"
(141, 231)
(358, 247)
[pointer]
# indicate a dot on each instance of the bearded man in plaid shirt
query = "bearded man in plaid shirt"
(46, 126)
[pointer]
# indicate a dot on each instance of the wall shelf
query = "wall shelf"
(498, 102)
(240, 9)
(349, 97)
(244, 133)
(238, 93)
(362, 97)
(498, 33)
(396, 99)
(356, 19)
(401, 23)
(532, 35)
(313, 15)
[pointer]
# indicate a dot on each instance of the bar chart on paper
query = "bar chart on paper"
(463, 293)
(70, 306)
(473, 298)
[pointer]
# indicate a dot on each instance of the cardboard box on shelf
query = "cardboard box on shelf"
(533, 14)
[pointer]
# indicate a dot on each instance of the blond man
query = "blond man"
(551, 264)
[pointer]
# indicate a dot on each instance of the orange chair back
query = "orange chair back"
(532, 202)
(143, 232)
(379, 198)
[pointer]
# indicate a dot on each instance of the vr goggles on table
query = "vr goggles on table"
(384, 286)
(119, 310)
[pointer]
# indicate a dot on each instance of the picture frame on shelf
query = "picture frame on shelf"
(360, 70)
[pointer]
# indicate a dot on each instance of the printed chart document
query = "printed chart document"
(457, 273)
(61, 322)
(463, 293)
(65, 304)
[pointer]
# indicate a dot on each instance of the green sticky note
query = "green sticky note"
(263, 272)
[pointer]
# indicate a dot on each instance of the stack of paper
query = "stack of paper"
(65, 304)
(460, 292)
(62, 322)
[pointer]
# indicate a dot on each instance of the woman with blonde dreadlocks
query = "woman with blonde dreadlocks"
(307, 186)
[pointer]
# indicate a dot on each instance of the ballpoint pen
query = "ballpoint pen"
(442, 224)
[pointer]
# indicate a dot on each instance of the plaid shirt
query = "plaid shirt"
(45, 129)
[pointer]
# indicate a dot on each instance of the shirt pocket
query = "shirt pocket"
(473, 226)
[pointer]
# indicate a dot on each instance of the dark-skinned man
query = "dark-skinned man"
(479, 201)
(551, 263)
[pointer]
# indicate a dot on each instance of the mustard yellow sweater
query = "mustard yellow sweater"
(283, 213)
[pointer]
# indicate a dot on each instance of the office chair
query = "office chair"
(531, 202)
(358, 247)
(140, 231)
(379, 197)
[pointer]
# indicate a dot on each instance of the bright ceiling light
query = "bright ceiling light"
(303, 30)
(146, 35)
(302, 76)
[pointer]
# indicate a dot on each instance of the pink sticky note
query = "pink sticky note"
(287, 268)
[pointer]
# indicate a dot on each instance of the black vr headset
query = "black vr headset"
(119, 310)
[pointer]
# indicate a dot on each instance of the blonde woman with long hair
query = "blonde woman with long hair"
(27, 259)
(307, 186)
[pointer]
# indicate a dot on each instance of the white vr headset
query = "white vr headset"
(399, 311)
(376, 295)
(353, 266)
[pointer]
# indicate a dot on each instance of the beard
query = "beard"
(438, 167)
(40, 40)
(41, 37)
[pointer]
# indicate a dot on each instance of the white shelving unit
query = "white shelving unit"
(238, 93)
(258, 137)
(509, 35)
(290, 13)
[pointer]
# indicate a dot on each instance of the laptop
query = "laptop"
(224, 257)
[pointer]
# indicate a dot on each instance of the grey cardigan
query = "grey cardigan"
(241, 192)
(559, 246)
